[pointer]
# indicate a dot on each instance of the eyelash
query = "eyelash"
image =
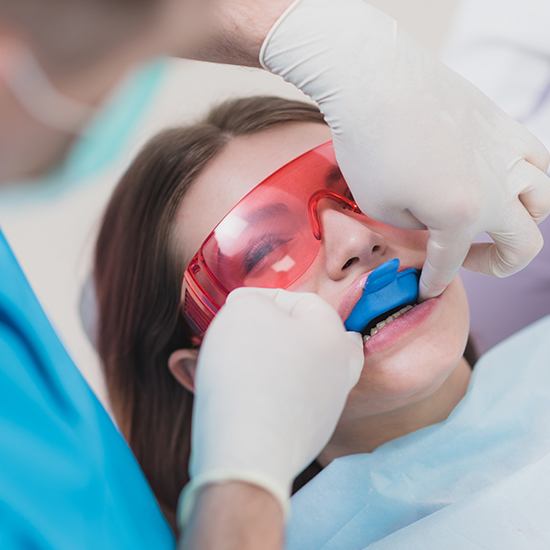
(261, 250)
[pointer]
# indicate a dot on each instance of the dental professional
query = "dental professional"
(431, 148)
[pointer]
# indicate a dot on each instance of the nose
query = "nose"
(350, 245)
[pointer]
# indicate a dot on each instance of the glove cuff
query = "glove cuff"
(272, 31)
(189, 493)
(313, 36)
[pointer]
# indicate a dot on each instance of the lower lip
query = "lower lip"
(398, 329)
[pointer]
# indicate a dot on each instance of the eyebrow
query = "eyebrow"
(333, 176)
(269, 211)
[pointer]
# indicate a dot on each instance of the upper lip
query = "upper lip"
(352, 295)
(355, 290)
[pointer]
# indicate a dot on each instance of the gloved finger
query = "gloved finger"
(294, 304)
(534, 189)
(357, 357)
(252, 293)
(289, 302)
(398, 217)
(446, 251)
(535, 152)
(525, 142)
(513, 249)
(308, 305)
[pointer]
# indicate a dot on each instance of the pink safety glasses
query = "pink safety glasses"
(269, 239)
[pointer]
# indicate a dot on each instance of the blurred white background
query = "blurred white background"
(54, 240)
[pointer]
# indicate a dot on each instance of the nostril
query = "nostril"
(376, 248)
(350, 262)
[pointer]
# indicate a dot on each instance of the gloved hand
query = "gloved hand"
(273, 375)
(419, 145)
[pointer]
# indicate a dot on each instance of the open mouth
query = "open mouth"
(387, 294)
(385, 319)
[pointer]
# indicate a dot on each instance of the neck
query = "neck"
(363, 435)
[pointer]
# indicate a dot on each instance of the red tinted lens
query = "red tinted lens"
(267, 240)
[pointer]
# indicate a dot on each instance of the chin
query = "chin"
(407, 373)
(403, 382)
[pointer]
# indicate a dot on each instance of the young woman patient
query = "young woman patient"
(174, 194)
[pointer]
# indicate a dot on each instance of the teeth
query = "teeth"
(387, 321)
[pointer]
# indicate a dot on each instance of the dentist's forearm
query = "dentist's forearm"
(224, 31)
(234, 516)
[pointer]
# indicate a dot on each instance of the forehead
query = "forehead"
(243, 163)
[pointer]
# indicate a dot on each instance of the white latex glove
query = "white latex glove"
(274, 372)
(419, 145)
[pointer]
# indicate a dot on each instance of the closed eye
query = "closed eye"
(261, 250)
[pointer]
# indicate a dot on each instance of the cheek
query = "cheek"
(418, 369)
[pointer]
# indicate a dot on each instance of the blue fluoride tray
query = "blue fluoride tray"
(386, 288)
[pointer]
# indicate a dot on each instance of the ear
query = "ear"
(183, 364)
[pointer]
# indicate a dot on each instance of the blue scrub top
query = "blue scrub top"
(67, 477)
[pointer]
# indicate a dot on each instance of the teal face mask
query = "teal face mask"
(100, 143)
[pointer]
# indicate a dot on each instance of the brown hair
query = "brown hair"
(138, 284)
